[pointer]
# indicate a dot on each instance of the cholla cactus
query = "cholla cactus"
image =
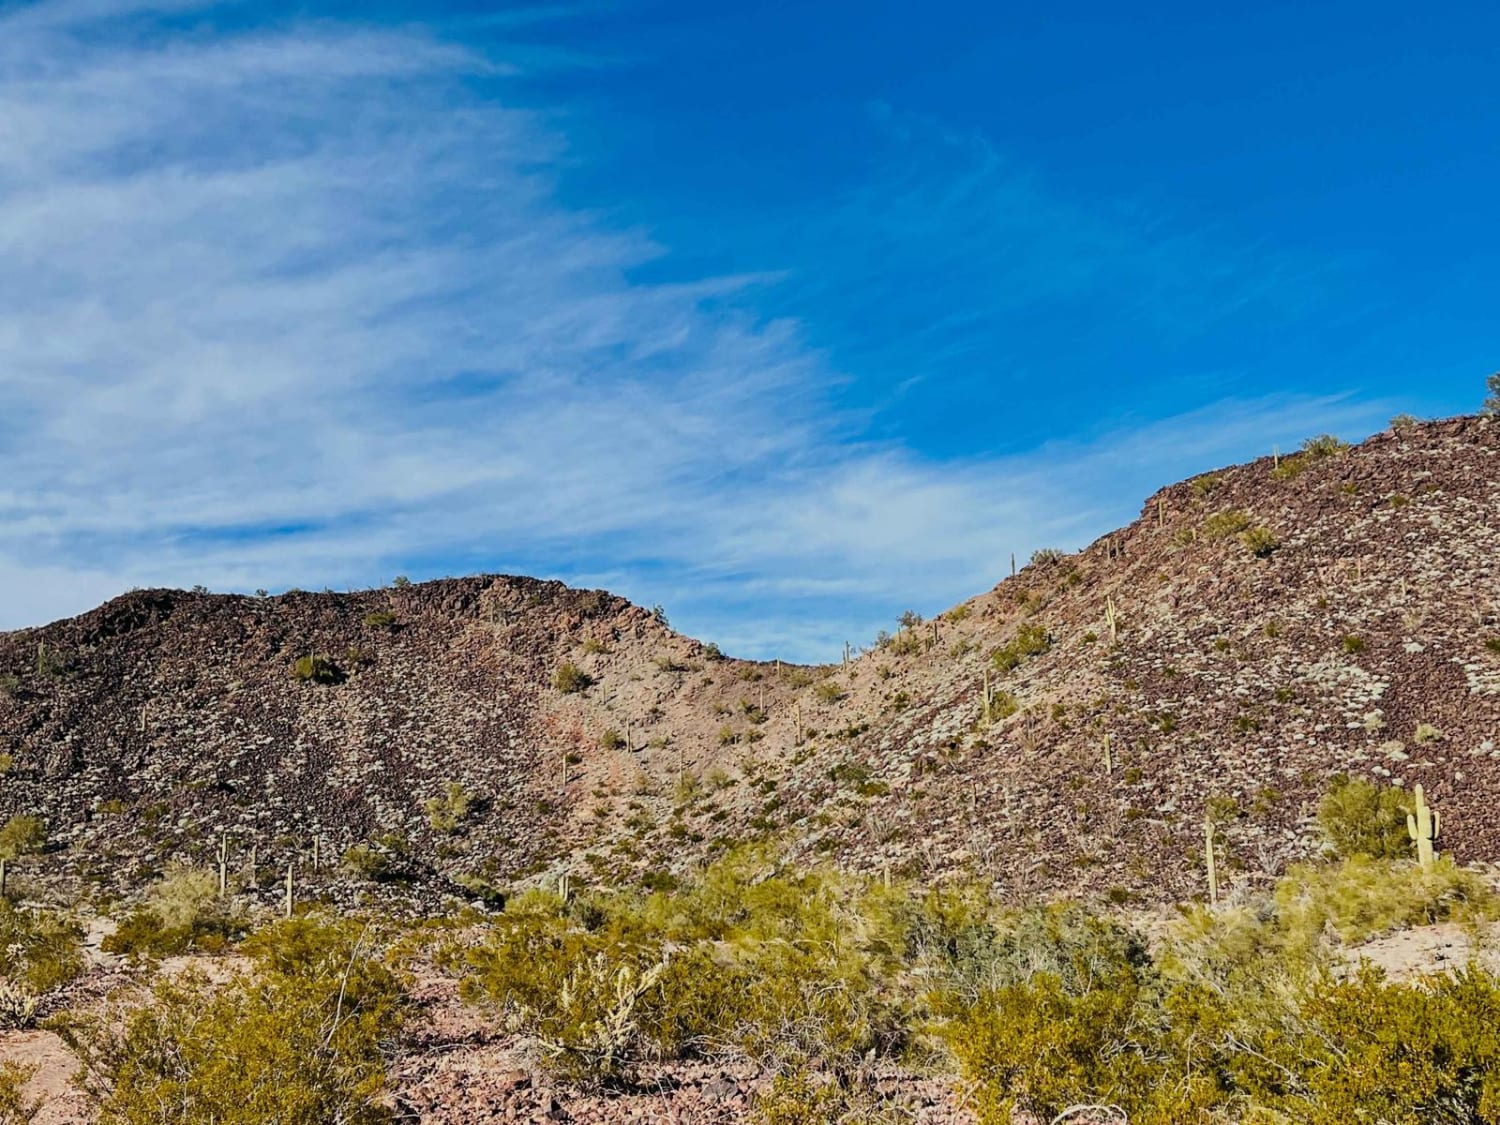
(1423, 827)
(594, 1024)
(17, 1007)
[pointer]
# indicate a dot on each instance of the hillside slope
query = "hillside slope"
(1273, 626)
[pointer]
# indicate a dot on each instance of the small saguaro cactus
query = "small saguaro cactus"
(1423, 827)
(1112, 619)
(1209, 859)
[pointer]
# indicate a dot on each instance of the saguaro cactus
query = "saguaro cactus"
(1423, 827)
(1208, 856)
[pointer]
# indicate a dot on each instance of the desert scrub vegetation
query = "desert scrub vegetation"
(829, 691)
(1030, 640)
(1358, 818)
(1223, 525)
(299, 1039)
(1252, 1010)
(15, 1107)
(1261, 542)
(317, 670)
(569, 679)
(448, 812)
(751, 960)
(182, 911)
(1314, 449)
(22, 835)
(39, 949)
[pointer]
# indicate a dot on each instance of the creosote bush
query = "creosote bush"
(22, 835)
(448, 812)
(16, 1108)
(750, 961)
(1356, 817)
(1260, 541)
(317, 670)
(1030, 640)
(571, 679)
(1222, 525)
(1240, 1013)
(182, 912)
(39, 949)
(297, 1041)
(828, 691)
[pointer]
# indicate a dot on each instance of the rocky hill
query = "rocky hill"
(1257, 630)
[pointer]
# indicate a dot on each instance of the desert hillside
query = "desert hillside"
(1258, 629)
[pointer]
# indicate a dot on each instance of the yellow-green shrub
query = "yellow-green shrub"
(22, 835)
(15, 1107)
(39, 949)
(1405, 1054)
(746, 961)
(1361, 897)
(1357, 817)
(298, 1042)
(182, 911)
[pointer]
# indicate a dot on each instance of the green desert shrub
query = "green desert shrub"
(39, 949)
(1314, 449)
(1237, 1013)
(1324, 445)
(22, 835)
(1260, 541)
(181, 912)
(828, 691)
(317, 670)
(1356, 817)
(570, 679)
(371, 863)
(1371, 1050)
(297, 1041)
(1033, 1049)
(1359, 897)
(745, 962)
(448, 812)
(16, 1107)
(380, 619)
(1338, 1050)
(1222, 525)
(1030, 640)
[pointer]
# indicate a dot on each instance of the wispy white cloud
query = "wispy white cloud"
(294, 307)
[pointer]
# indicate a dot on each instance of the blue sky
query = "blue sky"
(788, 317)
